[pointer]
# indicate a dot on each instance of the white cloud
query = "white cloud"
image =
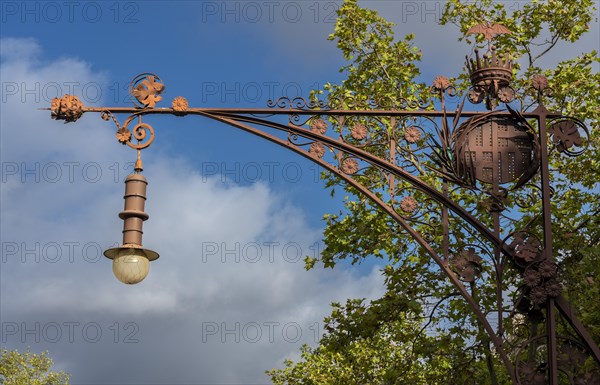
(19, 49)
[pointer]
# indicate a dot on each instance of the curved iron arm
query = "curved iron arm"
(394, 215)
(561, 303)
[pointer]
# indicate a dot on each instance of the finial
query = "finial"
(489, 30)
(138, 163)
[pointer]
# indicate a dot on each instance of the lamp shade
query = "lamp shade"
(131, 264)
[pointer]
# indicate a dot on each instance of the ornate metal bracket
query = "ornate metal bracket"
(425, 155)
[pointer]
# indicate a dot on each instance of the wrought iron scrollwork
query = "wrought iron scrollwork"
(297, 103)
(574, 362)
(142, 132)
(565, 134)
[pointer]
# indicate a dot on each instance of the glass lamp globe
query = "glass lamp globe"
(131, 263)
(131, 266)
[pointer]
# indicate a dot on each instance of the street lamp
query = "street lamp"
(475, 150)
(131, 262)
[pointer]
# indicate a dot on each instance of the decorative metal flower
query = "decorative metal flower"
(553, 288)
(148, 91)
(319, 125)
(409, 204)
(532, 277)
(180, 104)
(547, 269)
(538, 295)
(441, 83)
(565, 135)
(359, 131)
(123, 135)
(467, 265)
(68, 108)
(526, 248)
(350, 166)
(528, 252)
(539, 82)
(506, 94)
(317, 149)
(412, 134)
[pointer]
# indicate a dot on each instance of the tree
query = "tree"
(369, 343)
(29, 369)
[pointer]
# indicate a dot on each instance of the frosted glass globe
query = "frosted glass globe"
(131, 266)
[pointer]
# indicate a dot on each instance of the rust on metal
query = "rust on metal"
(146, 89)
(494, 150)
(68, 108)
(409, 204)
(489, 30)
(466, 264)
(180, 104)
(133, 214)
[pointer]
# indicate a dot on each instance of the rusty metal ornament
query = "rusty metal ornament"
(493, 150)
(441, 83)
(350, 166)
(68, 108)
(319, 125)
(565, 134)
(489, 30)
(532, 374)
(467, 265)
(142, 132)
(506, 94)
(412, 134)
(123, 135)
(490, 76)
(476, 94)
(490, 69)
(538, 273)
(409, 204)
(532, 277)
(359, 131)
(539, 82)
(180, 104)
(527, 248)
(146, 89)
(317, 149)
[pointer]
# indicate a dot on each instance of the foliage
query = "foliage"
(29, 369)
(357, 354)
(422, 331)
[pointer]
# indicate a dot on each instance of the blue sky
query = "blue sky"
(211, 311)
